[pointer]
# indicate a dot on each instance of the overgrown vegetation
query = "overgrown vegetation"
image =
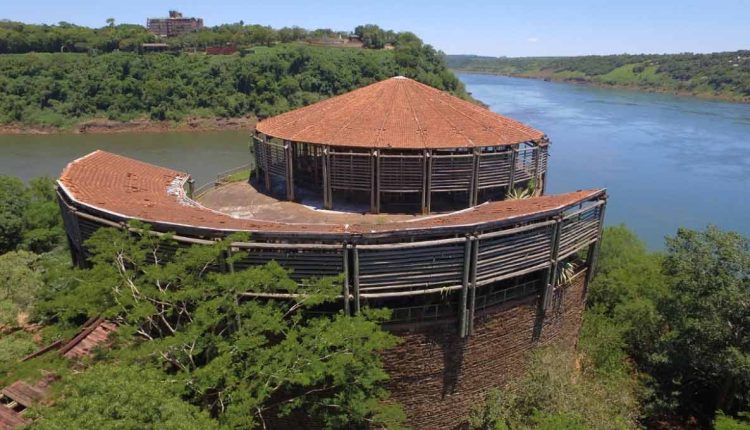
(725, 74)
(666, 338)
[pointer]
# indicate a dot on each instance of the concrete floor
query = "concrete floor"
(243, 200)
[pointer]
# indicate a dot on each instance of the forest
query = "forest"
(61, 90)
(724, 75)
(20, 38)
(665, 342)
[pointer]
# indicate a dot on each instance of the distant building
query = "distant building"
(175, 25)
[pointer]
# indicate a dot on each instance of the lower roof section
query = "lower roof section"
(122, 188)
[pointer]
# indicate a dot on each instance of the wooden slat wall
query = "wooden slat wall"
(276, 158)
(579, 229)
(494, 169)
(500, 257)
(304, 263)
(409, 267)
(351, 171)
(526, 164)
(401, 173)
(451, 172)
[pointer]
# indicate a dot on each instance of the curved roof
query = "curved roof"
(124, 188)
(398, 113)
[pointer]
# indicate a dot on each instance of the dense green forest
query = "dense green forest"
(20, 38)
(63, 89)
(665, 341)
(723, 75)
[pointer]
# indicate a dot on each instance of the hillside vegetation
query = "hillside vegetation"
(724, 75)
(63, 89)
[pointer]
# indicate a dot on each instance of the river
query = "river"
(667, 161)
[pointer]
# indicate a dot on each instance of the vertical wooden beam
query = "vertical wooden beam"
(347, 310)
(355, 277)
(596, 246)
(267, 161)
(462, 314)
(289, 155)
(373, 181)
(537, 167)
(377, 182)
(474, 185)
(473, 301)
(552, 278)
(191, 187)
(327, 203)
(228, 260)
(426, 181)
(512, 177)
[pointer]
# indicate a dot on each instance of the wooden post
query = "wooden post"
(426, 173)
(327, 200)
(462, 315)
(594, 252)
(474, 264)
(474, 185)
(267, 163)
(377, 182)
(552, 278)
(289, 155)
(228, 260)
(537, 166)
(347, 310)
(191, 187)
(512, 177)
(355, 277)
(373, 181)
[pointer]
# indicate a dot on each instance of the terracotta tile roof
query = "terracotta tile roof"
(398, 113)
(127, 188)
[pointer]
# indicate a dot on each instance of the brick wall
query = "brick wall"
(438, 376)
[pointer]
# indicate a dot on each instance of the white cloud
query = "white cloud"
(532, 39)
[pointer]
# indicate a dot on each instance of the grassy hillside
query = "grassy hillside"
(724, 75)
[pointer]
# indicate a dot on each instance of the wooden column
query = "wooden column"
(426, 179)
(512, 178)
(355, 277)
(374, 203)
(289, 155)
(473, 291)
(474, 185)
(594, 251)
(552, 278)
(347, 310)
(267, 163)
(462, 311)
(537, 167)
(327, 198)
(191, 187)
(377, 182)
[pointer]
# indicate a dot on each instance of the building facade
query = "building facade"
(174, 25)
(474, 280)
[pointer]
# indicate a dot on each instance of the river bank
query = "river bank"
(105, 126)
(550, 77)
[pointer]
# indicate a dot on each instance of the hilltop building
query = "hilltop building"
(174, 25)
(413, 195)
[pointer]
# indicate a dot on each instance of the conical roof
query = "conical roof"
(398, 113)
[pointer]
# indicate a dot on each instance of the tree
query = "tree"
(245, 360)
(117, 397)
(19, 283)
(706, 349)
(13, 204)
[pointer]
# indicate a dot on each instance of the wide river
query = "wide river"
(666, 161)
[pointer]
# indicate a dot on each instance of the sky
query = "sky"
(496, 28)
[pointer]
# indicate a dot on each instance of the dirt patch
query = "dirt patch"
(243, 200)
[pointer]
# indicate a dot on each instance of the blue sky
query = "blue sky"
(500, 27)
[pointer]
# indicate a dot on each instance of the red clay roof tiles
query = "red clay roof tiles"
(133, 189)
(398, 113)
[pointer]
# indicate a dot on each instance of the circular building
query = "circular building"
(472, 289)
(399, 145)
